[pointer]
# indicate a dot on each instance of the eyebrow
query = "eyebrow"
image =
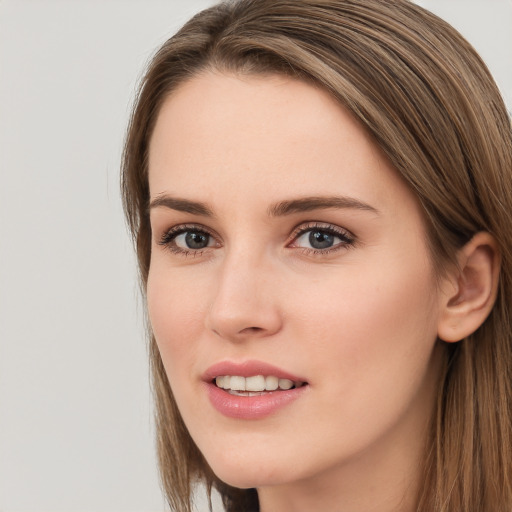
(306, 204)
(280, 209)
(182, 205)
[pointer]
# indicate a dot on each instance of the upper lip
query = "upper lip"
(248, 369)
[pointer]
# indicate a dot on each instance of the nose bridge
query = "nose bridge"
(244, 303)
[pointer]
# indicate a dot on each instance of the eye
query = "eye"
(320, 238)
(193, 240)
(187, 240)
(317, 239)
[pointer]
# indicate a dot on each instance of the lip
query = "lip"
(247, 369)
(250, 407)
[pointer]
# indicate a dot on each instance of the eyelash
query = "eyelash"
(168, 239)
(348, 240)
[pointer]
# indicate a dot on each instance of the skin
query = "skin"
(358, 322)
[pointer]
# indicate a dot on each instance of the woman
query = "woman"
(320, 195)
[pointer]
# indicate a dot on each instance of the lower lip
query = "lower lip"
(251, 407)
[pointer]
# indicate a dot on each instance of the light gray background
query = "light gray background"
(75, 413)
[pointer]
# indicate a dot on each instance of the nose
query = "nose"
(245, 303)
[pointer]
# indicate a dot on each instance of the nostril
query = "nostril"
(252, 329)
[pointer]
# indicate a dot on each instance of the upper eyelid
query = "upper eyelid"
(309, 225)
(188, 227)
(191, 227)
(302, 226)
(165, 237)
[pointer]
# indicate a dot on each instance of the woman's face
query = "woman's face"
(287, 252)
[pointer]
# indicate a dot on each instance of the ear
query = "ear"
(470, 290)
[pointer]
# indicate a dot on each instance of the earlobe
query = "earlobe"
(469, 293)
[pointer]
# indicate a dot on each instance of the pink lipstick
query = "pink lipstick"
(252, 389)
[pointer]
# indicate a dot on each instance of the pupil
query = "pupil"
(196, 240)
(321, 239)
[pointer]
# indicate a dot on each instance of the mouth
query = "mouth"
(255, 385)
(252, 390)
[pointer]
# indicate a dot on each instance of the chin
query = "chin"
(239, 481)
(249, 473)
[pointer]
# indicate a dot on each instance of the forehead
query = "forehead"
(249, 137)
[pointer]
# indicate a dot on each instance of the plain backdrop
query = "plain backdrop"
(75, 407)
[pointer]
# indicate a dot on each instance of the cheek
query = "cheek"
(371, 322)
(176, 313)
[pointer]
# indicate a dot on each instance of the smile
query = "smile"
(251, 390)
(254, 385)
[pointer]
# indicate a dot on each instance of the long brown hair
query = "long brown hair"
(431, 105)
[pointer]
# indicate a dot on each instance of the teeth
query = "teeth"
(271, 383)
(285, 384)
(222, 382)
(254, 384)
(238, 383)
